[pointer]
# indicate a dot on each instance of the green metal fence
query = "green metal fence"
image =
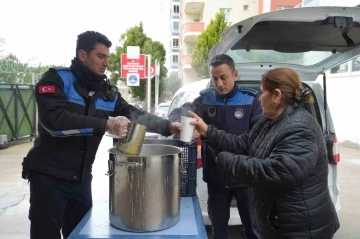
(17, 111)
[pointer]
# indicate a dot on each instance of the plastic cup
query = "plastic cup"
(187, 129)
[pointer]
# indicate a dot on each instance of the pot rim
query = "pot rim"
(113, 150)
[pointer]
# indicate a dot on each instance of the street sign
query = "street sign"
(133, 66)
(132, 79)
(133, 52)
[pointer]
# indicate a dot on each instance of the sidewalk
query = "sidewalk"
(14, 191)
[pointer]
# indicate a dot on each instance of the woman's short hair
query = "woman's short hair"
(288, 82)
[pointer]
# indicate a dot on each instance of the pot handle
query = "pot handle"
(111, 168)
(182, 167)
(130, 164)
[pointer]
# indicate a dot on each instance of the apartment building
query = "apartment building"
(274, 5)
(173, 44)
(194, 16)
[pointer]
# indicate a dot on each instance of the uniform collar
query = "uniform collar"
(231, 93)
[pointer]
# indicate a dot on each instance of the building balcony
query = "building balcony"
(191, 31)
(186, 63)
(194, 6)
(186, 59)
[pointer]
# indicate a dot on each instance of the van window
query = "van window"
(312, 108)
(309, 58)
(356, 64)
(181, 99)
(340, 68)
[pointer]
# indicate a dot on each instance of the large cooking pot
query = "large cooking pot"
(145, 189)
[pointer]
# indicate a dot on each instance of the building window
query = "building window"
(176, 10)
(175, 26)
(246, 7)
(189, 50)
(175, 59)
(343, 68)
(356, 64)
(227, 12)
(175, 43)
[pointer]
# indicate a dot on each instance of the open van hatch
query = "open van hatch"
(309, 40)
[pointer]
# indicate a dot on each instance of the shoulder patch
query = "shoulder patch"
(207, 90)
(248, 91)
(46, 89)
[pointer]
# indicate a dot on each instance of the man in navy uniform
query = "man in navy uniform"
(76, 106)
(234, 110)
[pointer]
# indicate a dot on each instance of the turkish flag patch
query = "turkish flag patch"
(46, 89)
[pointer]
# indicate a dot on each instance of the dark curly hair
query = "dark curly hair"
(88, 40)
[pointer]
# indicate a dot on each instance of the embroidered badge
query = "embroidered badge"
(46, 89)
(211, 112)
(238, 113)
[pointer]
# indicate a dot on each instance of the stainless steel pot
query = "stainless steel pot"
(145, 189)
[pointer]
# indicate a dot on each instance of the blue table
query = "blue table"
(96, 223)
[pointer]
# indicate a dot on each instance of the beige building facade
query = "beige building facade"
(194, 17)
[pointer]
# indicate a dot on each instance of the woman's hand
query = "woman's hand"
(200, 125)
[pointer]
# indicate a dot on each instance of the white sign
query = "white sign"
(157, 68)
(133, 52)
(132, 79)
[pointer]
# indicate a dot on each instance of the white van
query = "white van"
(309, 40)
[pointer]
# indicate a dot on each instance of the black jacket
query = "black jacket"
(235, 113)
(72, 124)
(284, 162)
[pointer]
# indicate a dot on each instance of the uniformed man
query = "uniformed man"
(234, 110)
(76, 106)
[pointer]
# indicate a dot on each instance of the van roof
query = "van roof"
(196, 86)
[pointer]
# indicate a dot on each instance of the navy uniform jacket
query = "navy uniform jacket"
(235, 113)
(72, 121)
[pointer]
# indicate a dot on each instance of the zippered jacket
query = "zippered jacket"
(284, 163)
(72, 121)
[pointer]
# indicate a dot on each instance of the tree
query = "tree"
(173, 83)
(135, 36)
(205, 42)
(13, 71)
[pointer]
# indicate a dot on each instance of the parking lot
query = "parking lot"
(14, 191)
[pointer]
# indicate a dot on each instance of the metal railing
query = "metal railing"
(17, 111)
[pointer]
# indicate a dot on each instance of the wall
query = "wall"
(342, 91)
(237, 9)
(290, 3)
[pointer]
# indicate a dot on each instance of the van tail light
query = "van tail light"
(332, 146)
(336, 153)
(198, 157)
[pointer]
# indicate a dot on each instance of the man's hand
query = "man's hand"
(200, 126)
(195, 136)
(175, 128)
(117, 126)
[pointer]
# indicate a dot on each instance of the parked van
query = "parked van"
(308, 40)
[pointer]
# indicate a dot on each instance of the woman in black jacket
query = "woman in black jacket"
(283, 160)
